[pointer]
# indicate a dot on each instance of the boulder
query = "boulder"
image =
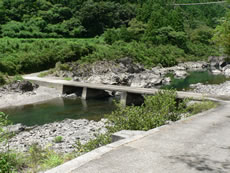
(218, 62)
(146, 80)
(180, 74)
(166, 81)
(26, 86)
(226, 70)
(111, 79)
(22, 86)
(216, 71)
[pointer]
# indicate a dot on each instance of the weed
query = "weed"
(200, 107)
(68, 78)
(58, 139)
(100, 140)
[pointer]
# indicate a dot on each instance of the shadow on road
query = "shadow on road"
(202, 163)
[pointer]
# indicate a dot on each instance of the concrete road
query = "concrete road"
(198, 144)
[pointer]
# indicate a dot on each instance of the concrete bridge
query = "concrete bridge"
(88, 90)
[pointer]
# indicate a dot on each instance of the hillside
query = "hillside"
(36, 34)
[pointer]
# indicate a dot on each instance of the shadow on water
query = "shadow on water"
(60, 109)
(204, 77)
(202, 163)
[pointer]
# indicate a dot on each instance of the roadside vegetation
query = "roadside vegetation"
(156, 111)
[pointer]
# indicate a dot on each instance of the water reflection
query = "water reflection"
(60, 109)
(204, 77)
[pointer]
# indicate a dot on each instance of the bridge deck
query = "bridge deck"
(147, 91)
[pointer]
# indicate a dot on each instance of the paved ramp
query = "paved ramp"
(198, 144)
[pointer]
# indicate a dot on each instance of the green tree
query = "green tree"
(222, 35)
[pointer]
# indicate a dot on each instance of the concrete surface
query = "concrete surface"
(124, 134)
(200, 143)
(60, 84)
(42, 94)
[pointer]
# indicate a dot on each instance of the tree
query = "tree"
(222, 35)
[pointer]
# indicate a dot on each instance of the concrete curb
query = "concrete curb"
(69, 166)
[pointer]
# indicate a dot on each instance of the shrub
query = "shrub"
(100, 140)
(17, 77)
(9, 161)
(200, 107)
(28, 55)
(58, 139)
(155, 111)
(2, 79)
(40, 159)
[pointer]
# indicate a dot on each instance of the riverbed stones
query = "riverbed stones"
(220, 90)
(70, 130)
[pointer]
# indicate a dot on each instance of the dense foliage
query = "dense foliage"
(55, 19)
(222, 34)
(26, 56)
(155, 111)
(151, 32)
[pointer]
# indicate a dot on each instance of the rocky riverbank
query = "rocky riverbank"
(128, 73)
(70, 131)
(124, 72)
(220, 90)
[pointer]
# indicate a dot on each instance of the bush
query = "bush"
(155, 111)
(2, 79)
(143, 53)
(9, 161)
(27, 56)
(100, 140)
(58, 139)
(200, 107)
(40, 159)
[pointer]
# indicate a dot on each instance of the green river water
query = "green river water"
(60, 109)
(204, 77)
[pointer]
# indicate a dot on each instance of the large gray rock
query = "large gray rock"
(111, 79)
(226, 70)
(180, 74)
(218, 62)
(195, 65)
(125, 65)
(146, 80)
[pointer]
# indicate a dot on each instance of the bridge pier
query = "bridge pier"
(131, 99)
(72, 89)
(88, 93)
